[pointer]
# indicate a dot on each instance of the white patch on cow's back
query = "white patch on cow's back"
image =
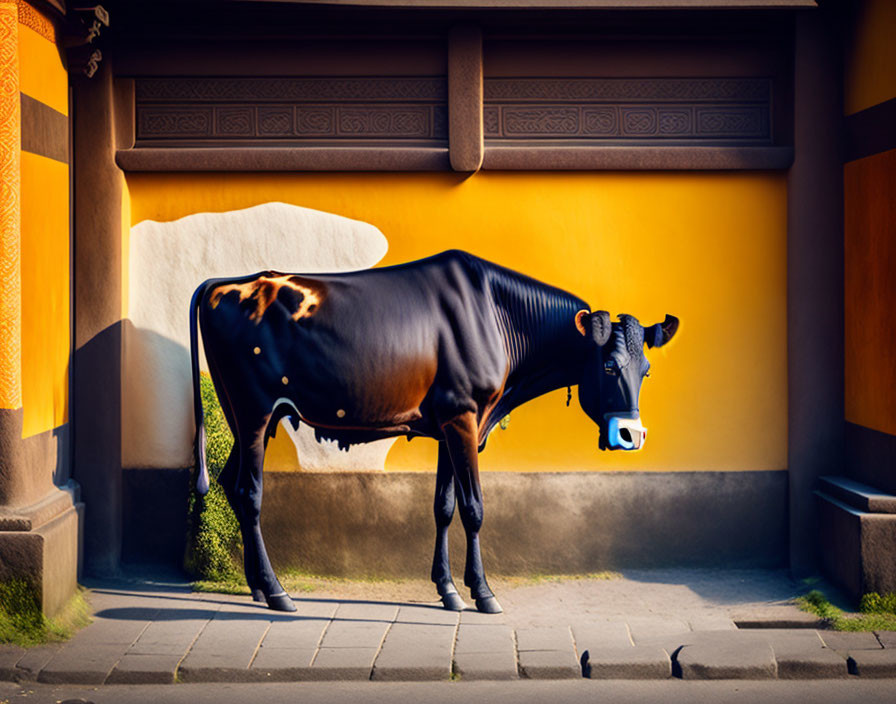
(168, 260)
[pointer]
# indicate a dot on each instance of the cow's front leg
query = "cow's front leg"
(227, 479)
(462, 440)
(443, 508)
(248, 499)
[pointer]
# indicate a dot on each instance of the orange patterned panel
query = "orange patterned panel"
(32, 18)
(10, 252)
(870, 253)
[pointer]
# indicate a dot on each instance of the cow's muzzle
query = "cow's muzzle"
(625, 433)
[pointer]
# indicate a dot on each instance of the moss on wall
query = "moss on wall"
(23, 623)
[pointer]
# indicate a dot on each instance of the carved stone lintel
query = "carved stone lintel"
(697, 110)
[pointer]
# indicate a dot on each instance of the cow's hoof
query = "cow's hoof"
(281, 602)
(453, 602)
(258, 595)
(488, 605)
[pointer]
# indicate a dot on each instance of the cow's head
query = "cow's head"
(615, 366)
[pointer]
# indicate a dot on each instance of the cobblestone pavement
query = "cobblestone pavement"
(660, 624)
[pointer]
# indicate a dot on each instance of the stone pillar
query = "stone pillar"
(10, 248)
(96, 395)
(39, 523)
(814, 281)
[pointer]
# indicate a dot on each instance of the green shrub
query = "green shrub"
(214, 548)
(874, 603)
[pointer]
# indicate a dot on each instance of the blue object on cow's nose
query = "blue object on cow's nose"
(625, 433)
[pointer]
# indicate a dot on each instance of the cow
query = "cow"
(443, 348)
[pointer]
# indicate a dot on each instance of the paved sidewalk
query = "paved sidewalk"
(659, 624)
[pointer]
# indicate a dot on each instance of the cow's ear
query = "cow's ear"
(583, 321)
(659, 334)
(597, 325)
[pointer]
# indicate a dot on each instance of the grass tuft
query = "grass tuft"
(877, 613)
(378, 587)
(548, 578)
(815, 602)
(23, 623)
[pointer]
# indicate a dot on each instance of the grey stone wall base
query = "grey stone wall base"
(859, 547)
(366, 524)
(157, 498)
(44, 547)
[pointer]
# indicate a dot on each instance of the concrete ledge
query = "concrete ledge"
(786, 616)
(33, 661)
(725, 655)
(873, 663)
(632, 663)
(144, 669)
(886, 638)
(849, 641)
(414, 652)
(81, 665)
(810, 664)
(9, 656)
(858, 495)
(484, 652)
(549, 664)
(860, 555)
(741, 661)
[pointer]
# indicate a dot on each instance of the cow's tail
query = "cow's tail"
(202, 481)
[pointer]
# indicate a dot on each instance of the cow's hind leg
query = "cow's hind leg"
(443, 507)
(461, 437)
(259, 573)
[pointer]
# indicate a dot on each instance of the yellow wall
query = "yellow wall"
(41, 74)
(45, 246)
(870, 55)
(709, 248)
(45, 293)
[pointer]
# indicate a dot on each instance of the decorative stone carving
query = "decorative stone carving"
(697, 110)
(357, 108)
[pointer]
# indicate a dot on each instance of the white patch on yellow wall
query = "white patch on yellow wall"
(167, 261)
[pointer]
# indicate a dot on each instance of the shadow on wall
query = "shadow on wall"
(158, 380)
(167, 261)
(96, 466)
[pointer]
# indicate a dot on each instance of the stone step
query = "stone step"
(783, 616)
(860, 496)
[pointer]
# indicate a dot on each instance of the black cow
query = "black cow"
(443, 348)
